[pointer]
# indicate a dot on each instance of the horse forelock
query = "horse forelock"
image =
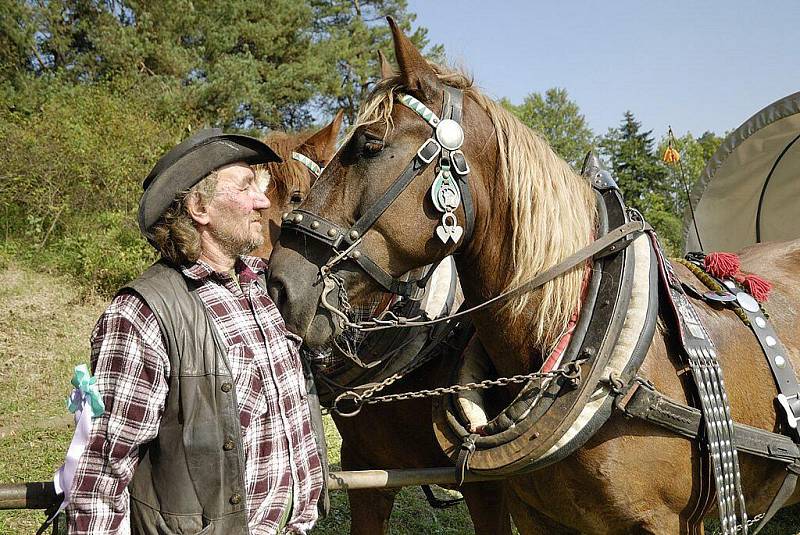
(551, 210)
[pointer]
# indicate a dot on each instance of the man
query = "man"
(207, 426)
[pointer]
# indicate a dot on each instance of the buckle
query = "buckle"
(786, 403)
(459, 162)
(428, 151)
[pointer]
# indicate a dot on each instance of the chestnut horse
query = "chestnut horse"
(531, 211)
(390, 436)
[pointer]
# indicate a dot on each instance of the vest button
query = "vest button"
(228, 445)
(236, 499)
(226, 387)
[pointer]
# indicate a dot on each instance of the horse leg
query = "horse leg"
(370, 509)
(488, 508)
(529, 521)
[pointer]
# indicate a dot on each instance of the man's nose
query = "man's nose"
(261, 201)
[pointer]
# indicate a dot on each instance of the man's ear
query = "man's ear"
(197, 210)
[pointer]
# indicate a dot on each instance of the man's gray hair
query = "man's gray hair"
(175, 234)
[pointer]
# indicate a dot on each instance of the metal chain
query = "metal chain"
(572, 372)
(755, 520)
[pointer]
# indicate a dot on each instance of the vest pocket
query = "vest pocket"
(146, 520)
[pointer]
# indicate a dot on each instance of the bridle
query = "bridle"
(310, 164)
(451, 181)
(449, 191)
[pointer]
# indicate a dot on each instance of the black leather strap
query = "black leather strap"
(645, 402)
(453, 109)
(779, 363)
(414, 168)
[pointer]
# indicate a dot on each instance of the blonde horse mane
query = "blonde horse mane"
(550, 208)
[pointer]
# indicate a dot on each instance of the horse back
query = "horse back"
(748, 379)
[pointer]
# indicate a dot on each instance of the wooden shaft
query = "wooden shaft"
(39, 495)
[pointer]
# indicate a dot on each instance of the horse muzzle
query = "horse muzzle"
(295, 287)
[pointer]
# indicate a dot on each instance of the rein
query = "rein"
(614, 241)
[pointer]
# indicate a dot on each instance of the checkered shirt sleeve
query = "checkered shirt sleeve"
(131, 365)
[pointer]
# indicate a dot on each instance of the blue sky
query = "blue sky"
(697, 65)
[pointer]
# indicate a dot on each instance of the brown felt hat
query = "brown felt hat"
(188, 163)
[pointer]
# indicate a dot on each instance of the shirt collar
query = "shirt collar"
(247, 267)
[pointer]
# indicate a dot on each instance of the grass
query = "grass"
(45, 323)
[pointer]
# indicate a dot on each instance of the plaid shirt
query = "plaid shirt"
(131, 364)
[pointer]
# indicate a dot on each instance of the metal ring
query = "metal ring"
(353, 397)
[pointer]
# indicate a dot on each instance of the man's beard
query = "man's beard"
(236, 240)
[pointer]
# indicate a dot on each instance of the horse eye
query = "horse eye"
(296, 198)
(373, 146)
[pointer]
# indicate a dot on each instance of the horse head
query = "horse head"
(432, 168)
(304, 155)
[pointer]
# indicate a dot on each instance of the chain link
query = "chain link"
(571, 372)
(755, 520)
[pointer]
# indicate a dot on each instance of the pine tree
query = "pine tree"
(643, 179)
(559, 120)
(350, 35)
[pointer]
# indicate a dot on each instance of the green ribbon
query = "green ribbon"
(83, 381)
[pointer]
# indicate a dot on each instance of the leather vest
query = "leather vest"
(190, 478)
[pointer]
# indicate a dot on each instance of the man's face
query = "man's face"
(234, 217)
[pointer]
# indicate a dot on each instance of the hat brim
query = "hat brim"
(185, 170)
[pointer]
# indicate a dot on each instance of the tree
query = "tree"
(245, 64)
(643, 178)
(350, 35)
(559, 120)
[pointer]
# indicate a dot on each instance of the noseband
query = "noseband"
(449, 189)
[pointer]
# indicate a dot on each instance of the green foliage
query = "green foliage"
(644, 180)
(73, 160)
(559, 120)
(106, 253)
(242, 63)
(350, 34)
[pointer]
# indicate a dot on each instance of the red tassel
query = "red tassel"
(721, 265)
(757, 287)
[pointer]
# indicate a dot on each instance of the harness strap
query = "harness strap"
(777, 357)
(453, 109)
(310, 164)
(616, 240)
(699, 352)
(784, 493)
(464, 454)
(415, 167)
(643, 401)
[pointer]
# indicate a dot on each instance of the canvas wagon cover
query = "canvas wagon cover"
(750, 190)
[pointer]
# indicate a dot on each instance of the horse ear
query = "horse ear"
(387, 71)
(415, 72)
(321, 146)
